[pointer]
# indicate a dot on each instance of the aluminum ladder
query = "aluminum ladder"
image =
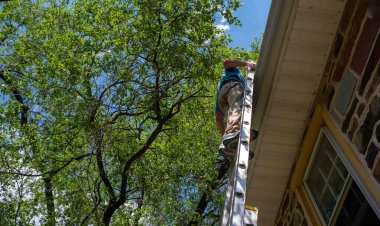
(235, 212)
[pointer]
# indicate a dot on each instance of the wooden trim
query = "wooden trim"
(306, 149)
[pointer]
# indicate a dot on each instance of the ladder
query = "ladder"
(234, 211)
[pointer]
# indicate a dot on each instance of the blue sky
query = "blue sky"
(253, 16)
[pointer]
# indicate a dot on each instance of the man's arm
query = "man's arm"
(228, 63)
(219, 119)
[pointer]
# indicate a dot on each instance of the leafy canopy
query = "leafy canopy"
(107, 110)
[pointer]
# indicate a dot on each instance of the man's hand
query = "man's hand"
(228, 63)
(251, 64)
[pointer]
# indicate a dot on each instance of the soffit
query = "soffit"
(288, 83)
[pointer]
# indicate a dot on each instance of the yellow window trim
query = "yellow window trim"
(306, 148)
(319, 119)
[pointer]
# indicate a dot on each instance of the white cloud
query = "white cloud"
(223, 27)
(223, 20)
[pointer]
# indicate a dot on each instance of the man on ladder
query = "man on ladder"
(234, 102)
(229, 101)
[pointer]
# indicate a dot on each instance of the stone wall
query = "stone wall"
(291, 213)
(351, 90)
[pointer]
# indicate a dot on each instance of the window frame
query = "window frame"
(352, 177)
(323, 132)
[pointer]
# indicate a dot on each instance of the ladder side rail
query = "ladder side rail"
(238, 193)
(228, 198)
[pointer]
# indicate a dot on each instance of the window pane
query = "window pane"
(325, 164)
(326, 178)
(327, 203)
(330, 151)
(356, 210)
(336, 182)
(342, 169)
(316, 186)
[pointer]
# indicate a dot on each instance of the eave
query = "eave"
(296, 45)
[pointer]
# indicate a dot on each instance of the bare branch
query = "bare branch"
(109, 87)
(52, 172)
(118, 114)
(95, 207)
(98, 138)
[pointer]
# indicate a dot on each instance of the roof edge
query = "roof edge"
(276, 30)
(273, 41)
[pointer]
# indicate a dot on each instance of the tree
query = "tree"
(96, 97)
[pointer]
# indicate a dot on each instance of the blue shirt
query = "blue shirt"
(229, 74)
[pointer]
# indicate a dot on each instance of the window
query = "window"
(335, 195)
(326, 178)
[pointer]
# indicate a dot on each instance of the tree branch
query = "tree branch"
(95, 207)
(17, 95)
(207, 193)
(109, 87)
(52, 172)
(98, 137)
(118, 114)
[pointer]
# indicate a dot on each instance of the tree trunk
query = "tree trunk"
(110, 210)
(49, 197)
(205, 198)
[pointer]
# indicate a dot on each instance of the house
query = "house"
(317, 158)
